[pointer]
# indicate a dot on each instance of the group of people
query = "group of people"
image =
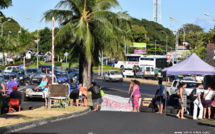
(9, 91)
(78, 93)
(203, 101)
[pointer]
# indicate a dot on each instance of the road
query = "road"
(122, 122)
(121, 88)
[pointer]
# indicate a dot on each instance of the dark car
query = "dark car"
(8, 75)
(23, 77)
(32, 71)
(65, 76)
(72, 70)
(48, 69)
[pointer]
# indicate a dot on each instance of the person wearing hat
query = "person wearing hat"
(16, 94)
(10, 85)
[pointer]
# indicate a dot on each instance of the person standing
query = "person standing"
(10, 85)
(197, 103)
(74, 92)
(43, 86)
(182, 100)
(83, 93)
(207, 100)
(159, 97)
(136, 96)
(96, 96)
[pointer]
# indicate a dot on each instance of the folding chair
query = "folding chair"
(14, 103)
(58, 92)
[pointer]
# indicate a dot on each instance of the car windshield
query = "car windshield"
(31, 70)
(62, 73)
(21, 72)
(191, 85)
(114, 73)
(9, 68)
(7, 77)
(128, 69)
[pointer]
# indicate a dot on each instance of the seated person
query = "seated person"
(16, 94)
(61, 79)
(83, 92)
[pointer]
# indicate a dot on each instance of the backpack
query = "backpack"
(73, 86)
(96, 90)
(193, 95)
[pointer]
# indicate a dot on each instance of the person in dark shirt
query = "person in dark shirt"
(16, 94)
(96, 96)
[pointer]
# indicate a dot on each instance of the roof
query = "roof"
(192, 65)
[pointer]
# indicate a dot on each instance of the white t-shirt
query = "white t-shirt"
(197, 92)
(209, 95)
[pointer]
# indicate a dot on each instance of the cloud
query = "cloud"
(206, 22)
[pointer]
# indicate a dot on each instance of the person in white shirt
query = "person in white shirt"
(197, 103)
(207, 97)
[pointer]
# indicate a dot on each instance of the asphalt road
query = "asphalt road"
(123, 122)
(121, 88)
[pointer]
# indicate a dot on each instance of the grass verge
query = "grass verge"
(36, 114)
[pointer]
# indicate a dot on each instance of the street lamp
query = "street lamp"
(166, 39)
(172, 19)
(3, 25)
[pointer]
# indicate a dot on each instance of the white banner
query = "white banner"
(116, 103)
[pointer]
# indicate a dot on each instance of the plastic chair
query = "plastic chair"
(14, 103)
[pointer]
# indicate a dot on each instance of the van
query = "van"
(146, 72)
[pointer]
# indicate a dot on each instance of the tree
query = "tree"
(188, 28)
(90, 28)
(5, 4)
(139, 34)
(3, 44)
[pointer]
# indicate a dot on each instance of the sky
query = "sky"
(183, 12)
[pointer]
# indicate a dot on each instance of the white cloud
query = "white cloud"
(206, 22)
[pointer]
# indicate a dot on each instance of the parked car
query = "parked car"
(36, 79)
(113, 75)
(191, 84)
(72, 70)
(8, 75)
(23, 78)
(128, 72)
(43, 69)
(30, 93)
(10, 69)
(32, 71)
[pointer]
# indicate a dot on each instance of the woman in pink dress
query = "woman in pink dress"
(136, 96)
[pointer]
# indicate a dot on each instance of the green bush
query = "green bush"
(58, 63)
(2, 67)
(41, 62)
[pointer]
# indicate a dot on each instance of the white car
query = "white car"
(191, 84)
(113, 75)
(128, 72)
(10, 69)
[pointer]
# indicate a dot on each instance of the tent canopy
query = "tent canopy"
(192, 65)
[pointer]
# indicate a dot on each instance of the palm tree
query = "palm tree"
(90, 28)
(5, 4)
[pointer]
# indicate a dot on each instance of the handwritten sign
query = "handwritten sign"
(115, 103)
